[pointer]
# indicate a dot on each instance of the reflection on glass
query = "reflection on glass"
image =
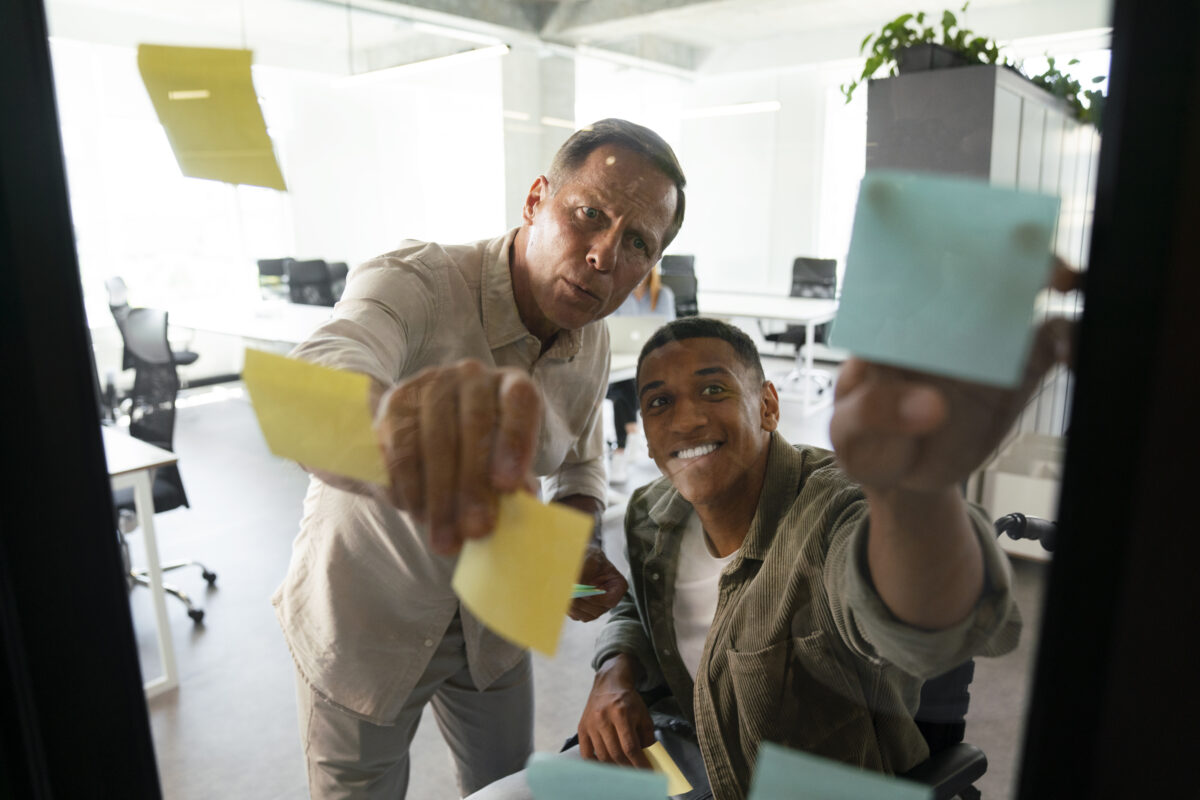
(748, 95)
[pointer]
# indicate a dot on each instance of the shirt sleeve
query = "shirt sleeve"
(384, 316)
(869, 627)
(623, 632)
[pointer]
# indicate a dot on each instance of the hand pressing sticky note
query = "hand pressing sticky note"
(663, 764)
(519, 580)
(942, 275)
(315, 415)
(780, 774)
(559, 778)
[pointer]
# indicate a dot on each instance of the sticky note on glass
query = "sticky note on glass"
(519, 580)
(663, 764)
(206, 102)
(784, 774)
(315, 415)
(942, 275)
(558, 778)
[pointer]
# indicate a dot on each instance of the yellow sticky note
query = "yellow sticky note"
(315, 415)
(205, 100)
(663, 764)
(519, 580)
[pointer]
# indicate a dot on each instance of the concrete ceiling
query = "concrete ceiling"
(686, 36)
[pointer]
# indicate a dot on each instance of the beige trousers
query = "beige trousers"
(489, 732)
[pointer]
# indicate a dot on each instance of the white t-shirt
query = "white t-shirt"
(697, 583)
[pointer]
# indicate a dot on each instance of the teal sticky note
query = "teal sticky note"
(566, 778)
(584, 590)
(942, 275)
(783, 774)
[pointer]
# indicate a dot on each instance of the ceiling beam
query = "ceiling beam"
(574, 18)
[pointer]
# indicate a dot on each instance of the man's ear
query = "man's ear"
(538, 193)
(769, 407)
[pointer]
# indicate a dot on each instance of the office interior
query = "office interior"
(395, 121)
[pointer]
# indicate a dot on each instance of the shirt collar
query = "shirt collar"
(501, 321)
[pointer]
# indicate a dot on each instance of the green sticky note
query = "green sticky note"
(783, 774)
(565, 778)
(942, 275)
(584, 590)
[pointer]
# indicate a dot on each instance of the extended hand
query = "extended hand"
(900, 429)
(598, 571)
(616, 724)
(455, 438)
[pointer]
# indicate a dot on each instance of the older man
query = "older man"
(784, 593)
(489, 368)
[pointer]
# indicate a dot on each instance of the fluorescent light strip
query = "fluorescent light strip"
(479, 54)
(189, 94)
(763, 107)
(519, 116)
(455, 33)
(555, 122)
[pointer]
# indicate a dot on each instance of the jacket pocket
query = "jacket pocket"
(798, 692)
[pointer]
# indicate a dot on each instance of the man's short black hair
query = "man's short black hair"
(705, 328)
(633, 137)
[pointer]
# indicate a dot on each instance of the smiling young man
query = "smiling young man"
(489, 367)
(782, 593)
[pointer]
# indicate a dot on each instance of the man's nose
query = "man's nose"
(689, 415)
(602, 255)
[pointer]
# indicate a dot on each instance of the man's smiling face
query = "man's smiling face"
(708, 420)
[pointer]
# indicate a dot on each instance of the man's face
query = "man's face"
(707, 419)
(592, 239)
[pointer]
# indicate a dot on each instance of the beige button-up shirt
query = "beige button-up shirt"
(365, 601)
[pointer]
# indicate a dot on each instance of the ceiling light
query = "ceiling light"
(763, 107)
(362, 78)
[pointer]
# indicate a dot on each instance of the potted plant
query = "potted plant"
(908, 44)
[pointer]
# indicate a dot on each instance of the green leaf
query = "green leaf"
(863, 46)
(964, 8)
(948, 20)
(921, 18)
(1098, 79)
(1073, 61)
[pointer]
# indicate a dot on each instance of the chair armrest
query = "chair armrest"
(950, 771)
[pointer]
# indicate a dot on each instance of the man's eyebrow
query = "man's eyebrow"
(649, 386)
(718, 370)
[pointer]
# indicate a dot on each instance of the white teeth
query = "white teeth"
(696, 452)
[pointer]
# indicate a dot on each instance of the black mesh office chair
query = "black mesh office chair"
(118, 304)
(272, 277)
(309, 282)
(684, 289)
(816, 278)
(677, 265)
(152, 419)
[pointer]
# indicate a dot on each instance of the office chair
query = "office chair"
(152, 419)
(811, 277)
(272, 277)
(338, 270)
(677, 265)
(118, 304)
(309, 282)
(954, 765)
(684, 288)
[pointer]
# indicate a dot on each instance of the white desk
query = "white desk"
(623, 367)
(130, 462)
(265, 321)
(805, 311)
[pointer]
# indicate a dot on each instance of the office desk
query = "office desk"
(805, 311)
(623, 367)
(130, 462)
(276, 322)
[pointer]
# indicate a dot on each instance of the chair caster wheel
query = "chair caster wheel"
(211, 577)
(197, 615)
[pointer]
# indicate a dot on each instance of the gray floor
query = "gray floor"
(229, 731)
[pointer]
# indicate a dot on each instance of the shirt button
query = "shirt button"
(666, 651)
(429, 642)
(653, 576)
